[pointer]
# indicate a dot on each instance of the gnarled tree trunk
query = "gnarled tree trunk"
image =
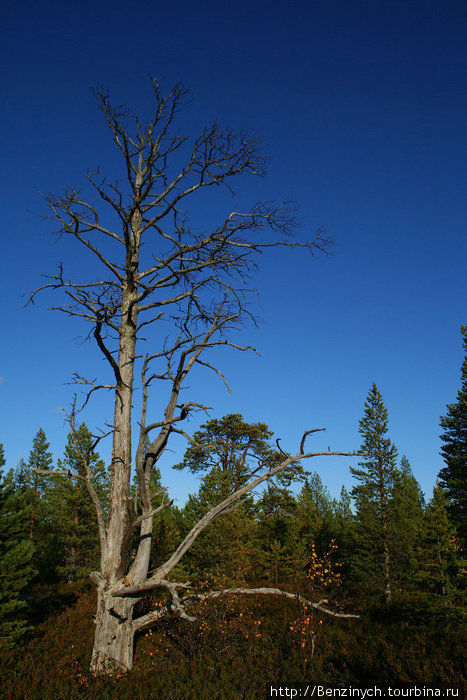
(114, 637)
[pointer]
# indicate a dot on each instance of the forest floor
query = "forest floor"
(237, 649)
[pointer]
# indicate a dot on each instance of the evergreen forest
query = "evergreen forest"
(233, 460)
(387, 559)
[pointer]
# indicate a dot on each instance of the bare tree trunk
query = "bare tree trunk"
(441, 570)
(383, 496)
(386, 552)
(32, 516)
(387, 574)
(121, 513)
(114, 636)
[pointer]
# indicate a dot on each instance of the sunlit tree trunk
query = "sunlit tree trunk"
(114, 635)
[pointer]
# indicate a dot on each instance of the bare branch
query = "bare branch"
(106, 352)
(90, 486)
(195, 597)
(59, 472)
(280, 448)
(178, 604)
(153, 512)
(214, 513)
(305, 435)
(78, 379)
(151, 617)
(217, 371)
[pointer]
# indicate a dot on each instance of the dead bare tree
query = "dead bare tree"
(194, 284)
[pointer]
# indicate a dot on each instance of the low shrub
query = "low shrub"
(235, 649)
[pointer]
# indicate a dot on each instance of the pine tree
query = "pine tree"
(278, 560)
(224, 555)
(39, 458)
(315, 513)
(70, 510)
(406, 513)
(21, 477)
(16, 553)
(372, 495)
(344, 530)
(229, 449)
(441, 556)
(34, 489)
(453, 477)
(232, 443)
(279, 553)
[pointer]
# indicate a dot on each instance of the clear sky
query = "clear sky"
(363, 106)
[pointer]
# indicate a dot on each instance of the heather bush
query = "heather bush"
(235, 649)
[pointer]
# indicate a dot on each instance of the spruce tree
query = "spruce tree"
(453, 477)
(376, 477)
(16, 553)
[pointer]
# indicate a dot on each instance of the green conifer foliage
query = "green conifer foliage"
(441, 557)
(230, 445)
(39, 458)
(279, 552)
(311, 524)
(376, 477)
(315, 513)
(278, 560)
(222, 555)
(34, 489)
(16, 553)
(453, 477)
(233, 448)
(344, 530)
(71, 511)
(406, 510)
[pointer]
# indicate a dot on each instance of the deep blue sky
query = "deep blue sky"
(363, 106)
